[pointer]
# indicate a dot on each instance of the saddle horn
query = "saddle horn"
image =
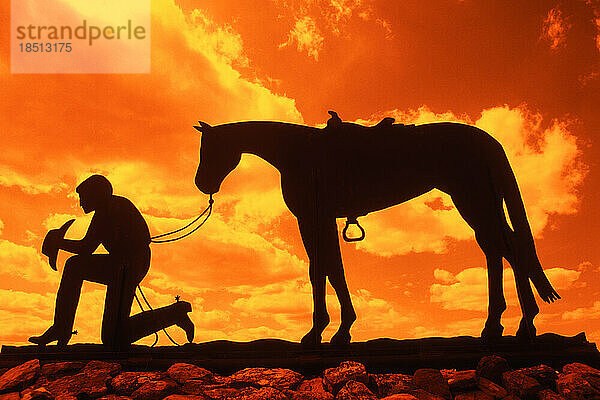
(335, 119)
(204, 127)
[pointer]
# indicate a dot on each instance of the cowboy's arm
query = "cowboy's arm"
(87, 245)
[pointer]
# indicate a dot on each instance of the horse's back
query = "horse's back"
(365, 170)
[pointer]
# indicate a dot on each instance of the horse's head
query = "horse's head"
(217, 158)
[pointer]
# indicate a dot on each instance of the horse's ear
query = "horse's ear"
(204, 127)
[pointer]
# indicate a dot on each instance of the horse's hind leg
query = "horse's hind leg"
(529, 308)
(480, 209)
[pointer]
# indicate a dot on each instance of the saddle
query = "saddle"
(336, 126)
(336, 122)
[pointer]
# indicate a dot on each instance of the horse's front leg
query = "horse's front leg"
(310, 238)
(335, 273)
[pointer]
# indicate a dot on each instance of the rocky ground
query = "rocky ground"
(493, 379)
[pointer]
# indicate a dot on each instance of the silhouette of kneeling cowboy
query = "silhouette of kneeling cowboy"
(120, 228)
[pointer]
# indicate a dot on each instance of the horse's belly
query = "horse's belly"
(357, 199)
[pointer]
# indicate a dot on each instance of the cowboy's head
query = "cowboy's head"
(94, 193)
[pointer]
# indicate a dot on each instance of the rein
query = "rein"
(208, 209)
(153, 239)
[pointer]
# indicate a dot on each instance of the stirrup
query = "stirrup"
(353, 221)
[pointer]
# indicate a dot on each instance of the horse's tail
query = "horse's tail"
(524, 248)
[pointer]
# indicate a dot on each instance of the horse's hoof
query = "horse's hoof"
(341, 339)
(492, 333)
(526, 332)
(311, 339)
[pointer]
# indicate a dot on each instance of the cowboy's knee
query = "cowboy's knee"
(73, 267)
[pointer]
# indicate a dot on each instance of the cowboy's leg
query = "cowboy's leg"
(93, 267)
(120, 293)
(149, 322)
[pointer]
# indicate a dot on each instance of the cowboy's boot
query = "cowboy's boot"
(51, 335)
(149, 322)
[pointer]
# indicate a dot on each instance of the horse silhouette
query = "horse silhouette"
(349, 170)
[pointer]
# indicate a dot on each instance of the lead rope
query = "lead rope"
(153, 240)
(209, 209)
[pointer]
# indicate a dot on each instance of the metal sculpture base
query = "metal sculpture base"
(379, 355)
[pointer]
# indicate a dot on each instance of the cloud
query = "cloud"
(583, 313)
(444, 276)
(28, 184)
(25, 263)
(316, 20)
(223, 254)
(597, 21)
(545, 158)
(468, 290)
(307, 37)
(555, 28)
(289, 306)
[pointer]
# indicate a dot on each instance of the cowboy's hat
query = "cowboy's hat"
(50, 246)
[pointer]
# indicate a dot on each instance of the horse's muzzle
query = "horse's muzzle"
(206, 188)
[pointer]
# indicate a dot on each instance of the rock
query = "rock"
(91, 381)
(155, 390)
(264, 393)
(400, 396)
(312, 389)
(521, 385)
(591, 375)
(425, 395)
(182, 373)
(221, 393)
(308, 395)
(335, 378)
(58, 370)
(580, 368)
(593, 380)
(184, 397)
(198, 387)
(10, 396)
(492, 368)
(101, 366)
(489, 387)
(20, 376)
(128, 382)
(389, 384)
(545, 375)
(462, 381)
(279, 378)
(474, 395)
(221, 380)
(354, 390)
(548, 394)
(432, 381)
(448, 373)
(574, 387)
(512, 397)
(36, 394)
(41, 381)
(114, 397)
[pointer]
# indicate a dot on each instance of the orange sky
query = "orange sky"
(526, 72)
